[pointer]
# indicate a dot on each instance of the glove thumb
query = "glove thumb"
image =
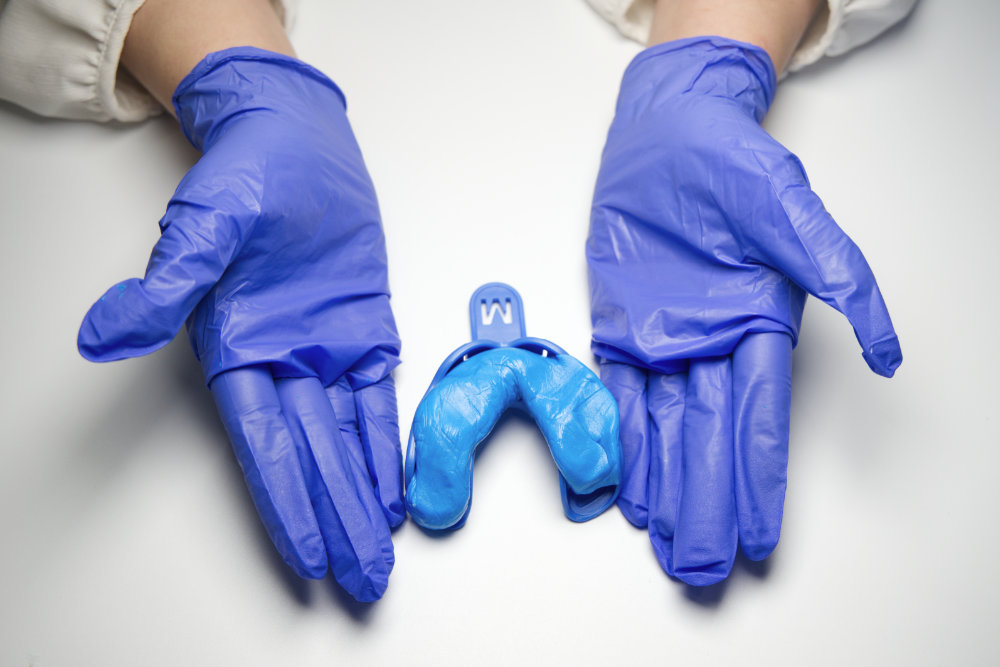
(139, 316)
(814, 252)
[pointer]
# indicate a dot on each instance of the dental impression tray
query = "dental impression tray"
(501, 367)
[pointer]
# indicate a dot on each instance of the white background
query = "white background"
(128, 537)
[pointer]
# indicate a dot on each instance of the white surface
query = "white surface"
(129, 538)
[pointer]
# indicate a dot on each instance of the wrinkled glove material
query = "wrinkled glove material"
(250, 245)
(574, 411)
(272, 252)
(705, 238)
(694, 198)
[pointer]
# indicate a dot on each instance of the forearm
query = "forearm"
(168, 38)
(776, 26)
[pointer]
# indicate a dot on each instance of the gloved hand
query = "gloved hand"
(272, 251)
(704, 234)
(574, 412)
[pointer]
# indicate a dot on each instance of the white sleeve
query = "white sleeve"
(60, 58)
(838, 27)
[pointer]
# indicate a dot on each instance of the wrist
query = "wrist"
(228, 84)
(710, 66)
(167, 38)
(776, 26)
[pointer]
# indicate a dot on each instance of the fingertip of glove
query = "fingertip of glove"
(94, 347)
(91, 347)
(317, 569)
(663, 549)
(306, 556)
(312, 572)
(760, 548)
(88, 350)
(699, 577)
(118, 327)
(635, 514)
(394, 514)
(884, 357)
(758, 552)
(88, 339)
(371, 589)
(369, 582)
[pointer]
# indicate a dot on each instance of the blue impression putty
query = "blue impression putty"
(472, 389)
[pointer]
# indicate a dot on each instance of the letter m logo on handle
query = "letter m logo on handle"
(496, 314)
(487, 314)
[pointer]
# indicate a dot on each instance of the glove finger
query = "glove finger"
(762, 397)
(378, 429)
(628, 385)
(250, 409)
(706, 535)
(666, 417)
(137, 317)
(824, 261)
(354, 528)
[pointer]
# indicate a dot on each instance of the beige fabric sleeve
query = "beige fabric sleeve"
(60, 58)
(838, 27)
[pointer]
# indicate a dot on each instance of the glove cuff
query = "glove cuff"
(228, 82)
(708, 65)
